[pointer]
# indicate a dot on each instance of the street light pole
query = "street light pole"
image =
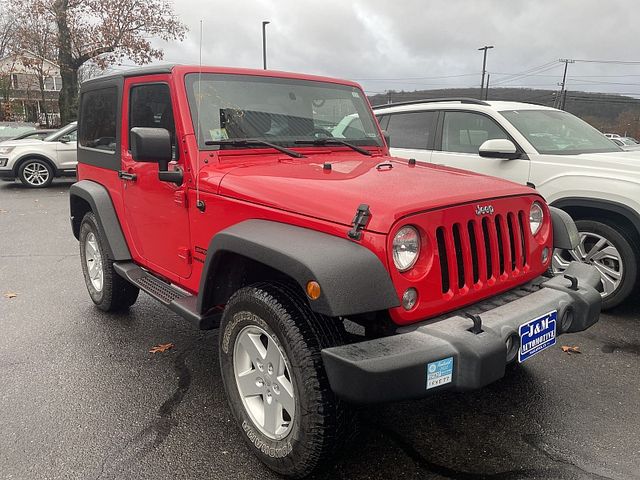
(484, 67)
(264, 43)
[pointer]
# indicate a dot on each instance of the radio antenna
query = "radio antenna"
(199, 203)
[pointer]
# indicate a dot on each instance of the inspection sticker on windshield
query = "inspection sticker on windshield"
(537, 335)
(439, 372)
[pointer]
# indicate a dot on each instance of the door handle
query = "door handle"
(126, 175)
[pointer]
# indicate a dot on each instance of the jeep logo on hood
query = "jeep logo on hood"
(484, 209)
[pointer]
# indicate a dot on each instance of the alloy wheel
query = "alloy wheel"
(264, 382)
(598, 251)
(94, 261)
(36, 174)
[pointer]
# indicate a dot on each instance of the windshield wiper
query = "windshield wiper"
(334, 141)
(254, 141)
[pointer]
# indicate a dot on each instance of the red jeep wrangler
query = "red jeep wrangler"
(265, 204)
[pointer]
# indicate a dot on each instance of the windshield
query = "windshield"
(67, 129)
(10, 131)
(559, 133)
(278, 110)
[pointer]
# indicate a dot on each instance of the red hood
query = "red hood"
(302, 186)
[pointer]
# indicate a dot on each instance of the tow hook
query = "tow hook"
(477, 323)
(574, 282)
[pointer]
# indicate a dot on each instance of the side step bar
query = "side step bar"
(177, 300)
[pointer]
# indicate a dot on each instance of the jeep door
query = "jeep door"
(155, 210)
(411, 134)
(460, 134)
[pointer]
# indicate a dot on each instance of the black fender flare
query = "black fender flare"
(352, 279)
(631, 215)
(100, 203)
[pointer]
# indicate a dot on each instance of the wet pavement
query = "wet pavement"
(81, 397)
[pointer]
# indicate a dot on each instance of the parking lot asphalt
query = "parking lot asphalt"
(81, 397)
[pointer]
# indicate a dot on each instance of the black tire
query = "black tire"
(116, 293)
(322, 422)
(35, 173)
(622, 241)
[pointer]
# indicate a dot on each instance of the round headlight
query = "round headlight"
(536, 215)
(406, 248)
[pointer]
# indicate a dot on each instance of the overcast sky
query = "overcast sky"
(386, 44)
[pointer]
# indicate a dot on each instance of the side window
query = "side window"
(464, 132)
(98, 113)
(412, 129)
(150, 106)
(73, 136)
(383, 120)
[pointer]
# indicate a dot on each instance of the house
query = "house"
(29, 89)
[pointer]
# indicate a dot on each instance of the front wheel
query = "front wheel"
(611, 252)
(276, 385)
(35, 173)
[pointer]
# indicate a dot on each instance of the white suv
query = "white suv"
(37, 162)
(573, 165)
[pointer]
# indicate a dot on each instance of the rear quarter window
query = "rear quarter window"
(98, 114)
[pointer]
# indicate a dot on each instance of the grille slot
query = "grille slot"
(499, 233)
(459, 254)
(442, 254)
(471, 227)
(523, 236)
(476, 251)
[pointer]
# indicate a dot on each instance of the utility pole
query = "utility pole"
(562, 98)
(484, 67)
(264, 43)
(486, 90)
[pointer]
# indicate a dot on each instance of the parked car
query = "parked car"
(626, 143)
(37, 162)
(222, 194)
(9, 130)
(39, 134)
(573, 165)
(612, 135)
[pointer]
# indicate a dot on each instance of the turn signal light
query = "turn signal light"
(313, 290)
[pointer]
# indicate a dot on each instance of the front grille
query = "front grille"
(481, 251)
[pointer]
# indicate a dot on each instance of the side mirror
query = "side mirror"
(153, 145)
(387, 137)
(64, 139)
(499, 148)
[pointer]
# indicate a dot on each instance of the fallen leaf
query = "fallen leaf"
(570, 350)
(163, 347)
(10, 295)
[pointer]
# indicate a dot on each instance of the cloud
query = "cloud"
(404, 44)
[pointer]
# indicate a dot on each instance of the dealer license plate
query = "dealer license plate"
(537, 335)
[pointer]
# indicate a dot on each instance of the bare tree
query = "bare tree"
(35, 33)
(7, 29)
(104, 32)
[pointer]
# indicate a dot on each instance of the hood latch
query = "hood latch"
(363, 214)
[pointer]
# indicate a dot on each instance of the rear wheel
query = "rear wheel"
(277, 388)
(611, 252)
(35, 173)
(108, 290)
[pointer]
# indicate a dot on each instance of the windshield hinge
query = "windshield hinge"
(363, 214)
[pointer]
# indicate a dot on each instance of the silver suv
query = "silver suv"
(37, 162)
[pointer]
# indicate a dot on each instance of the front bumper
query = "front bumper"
(395, 367)
(7, 174)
